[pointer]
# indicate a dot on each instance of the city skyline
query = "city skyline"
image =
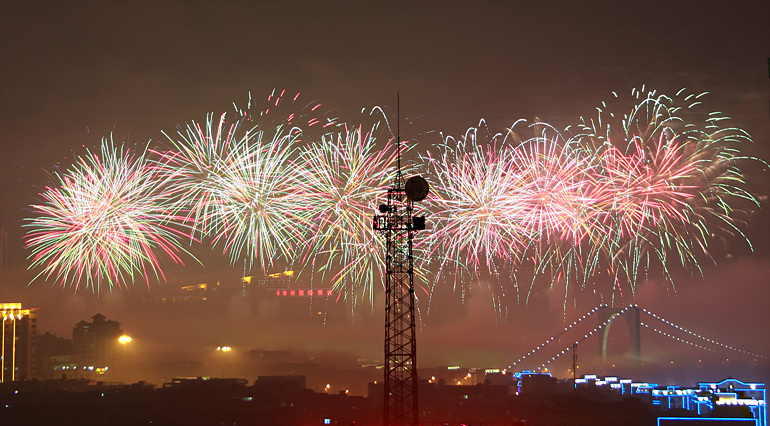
(134, 71)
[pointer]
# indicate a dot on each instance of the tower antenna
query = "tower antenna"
(396, 222)
(398, 131)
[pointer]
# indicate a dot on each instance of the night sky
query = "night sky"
(74, 72)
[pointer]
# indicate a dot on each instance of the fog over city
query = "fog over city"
(74, 73)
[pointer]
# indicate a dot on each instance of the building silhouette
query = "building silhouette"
(95, 345)
(54, 356)
(17, 347)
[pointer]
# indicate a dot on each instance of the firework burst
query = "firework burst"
(233, 183)
(470, 181)
(104, 223)
(670, 181)
(342, 177)
(625, 196)
(603, 204)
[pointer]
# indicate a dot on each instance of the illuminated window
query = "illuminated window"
(302, 292)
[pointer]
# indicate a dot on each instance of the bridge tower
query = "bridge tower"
(608, 315)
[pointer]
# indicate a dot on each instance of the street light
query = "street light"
(224, 350)
(124, 340)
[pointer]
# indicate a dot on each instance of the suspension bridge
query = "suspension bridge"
(636, 319)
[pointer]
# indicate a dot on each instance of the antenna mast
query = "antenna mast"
(396, 222)
(398, 133)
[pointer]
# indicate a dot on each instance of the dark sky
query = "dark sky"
(73, 72)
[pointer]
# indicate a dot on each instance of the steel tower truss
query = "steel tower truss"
(397, 224)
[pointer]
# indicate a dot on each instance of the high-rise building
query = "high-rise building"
(95, 344)
(17, 350)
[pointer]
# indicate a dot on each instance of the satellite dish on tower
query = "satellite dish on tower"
(416, 188)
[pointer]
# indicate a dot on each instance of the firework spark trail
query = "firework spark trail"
(234, 184)
(644, 189)
(550, 199)
(497, 200)
(281, 108)
(670, 181)
(342, 177)
(623, 195)
(469, 181)
(553, 206)
(234, 179)
(105, 223)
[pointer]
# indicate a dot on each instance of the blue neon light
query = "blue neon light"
(666, 421)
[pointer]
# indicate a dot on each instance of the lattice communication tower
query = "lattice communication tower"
(397, 223)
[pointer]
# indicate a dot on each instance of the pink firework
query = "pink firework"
(104, 223)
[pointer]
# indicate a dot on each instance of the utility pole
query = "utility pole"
(574, 368)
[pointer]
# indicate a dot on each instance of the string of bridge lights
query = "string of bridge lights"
(679, 339)
(620, 313)
(667, 322)
(566, 329)
(585, 336)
